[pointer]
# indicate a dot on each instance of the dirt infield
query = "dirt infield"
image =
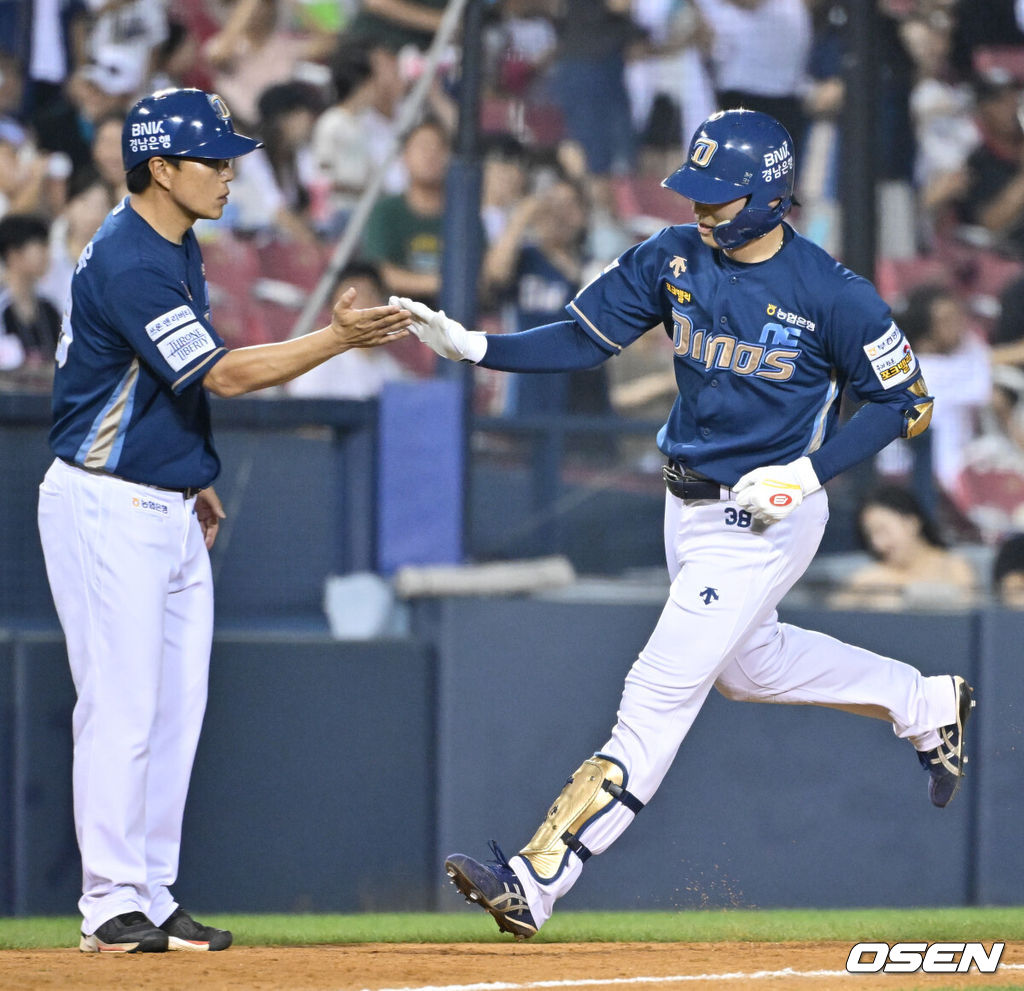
(381, 966)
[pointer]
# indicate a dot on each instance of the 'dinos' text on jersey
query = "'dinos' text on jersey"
(771, 358)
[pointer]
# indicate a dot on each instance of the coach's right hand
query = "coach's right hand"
(367, 328)
(441, 334)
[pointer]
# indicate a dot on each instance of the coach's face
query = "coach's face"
(199, 186)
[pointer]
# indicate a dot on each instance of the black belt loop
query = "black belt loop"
(690, 487)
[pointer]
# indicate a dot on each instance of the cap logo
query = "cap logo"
(220, 108)
(703, 150)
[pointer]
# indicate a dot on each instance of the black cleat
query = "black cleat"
(495, 888)
(131, 932)
(945, 764)
(184, 933)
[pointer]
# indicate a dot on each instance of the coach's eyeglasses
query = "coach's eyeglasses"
(219, 165)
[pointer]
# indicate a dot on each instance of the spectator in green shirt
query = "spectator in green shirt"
(403, 234)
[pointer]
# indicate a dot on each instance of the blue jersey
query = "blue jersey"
(541, 289)
(135, 344)
(762, 351)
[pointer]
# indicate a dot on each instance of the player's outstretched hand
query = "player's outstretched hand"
(441, 334)
(370, 327)
(772, 493)
(209, 512)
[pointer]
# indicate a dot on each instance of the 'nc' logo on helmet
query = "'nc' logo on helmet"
(703, 150)
(220, 108)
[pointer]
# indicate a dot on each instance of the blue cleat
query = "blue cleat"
(945, 764)
(495, 888)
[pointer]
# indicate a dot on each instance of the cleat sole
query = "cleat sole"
(473, 896)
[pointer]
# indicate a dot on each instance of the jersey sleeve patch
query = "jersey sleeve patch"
(168, 321)
(884, 344)
(185, 345)
(892, 358)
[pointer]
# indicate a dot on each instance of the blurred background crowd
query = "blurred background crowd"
(586, 106)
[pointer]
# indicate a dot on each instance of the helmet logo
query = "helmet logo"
(704, 149)
(220, 108)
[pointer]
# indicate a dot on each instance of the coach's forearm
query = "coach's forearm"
(261, 366)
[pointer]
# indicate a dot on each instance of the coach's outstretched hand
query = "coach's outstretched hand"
(370, 327)
(771, 494)
(441, 334)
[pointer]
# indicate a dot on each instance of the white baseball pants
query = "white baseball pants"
(720, 628)
(130, 577)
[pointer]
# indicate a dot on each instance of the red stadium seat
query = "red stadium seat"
(1008, 58)
(299, 262)
(895, 277)
(231, 263)
(239, 320)
(541, 125)
(644, 195)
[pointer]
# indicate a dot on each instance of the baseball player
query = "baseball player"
(768, 330)
(127, 513)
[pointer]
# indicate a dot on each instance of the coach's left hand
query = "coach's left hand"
(209, 512)
(772, 493)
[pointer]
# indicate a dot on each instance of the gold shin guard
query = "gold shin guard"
(597, 782)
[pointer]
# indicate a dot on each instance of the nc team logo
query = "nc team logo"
(704, 149)
(220, 108)
(773, 357)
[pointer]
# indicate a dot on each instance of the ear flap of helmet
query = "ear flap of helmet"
(750, 223)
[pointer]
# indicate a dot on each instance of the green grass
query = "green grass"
(927, 924)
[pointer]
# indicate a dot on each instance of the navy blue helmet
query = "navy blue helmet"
(186, 122)
(735, 154)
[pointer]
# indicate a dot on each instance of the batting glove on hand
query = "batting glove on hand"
(441, 334)
(771, 494)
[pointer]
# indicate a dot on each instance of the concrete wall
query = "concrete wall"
(336, 776)
(313, 755)
(764, 806)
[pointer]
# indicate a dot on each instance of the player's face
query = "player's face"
(199, 186)
(710, 215)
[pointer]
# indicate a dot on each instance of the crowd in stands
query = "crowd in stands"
(586, 107)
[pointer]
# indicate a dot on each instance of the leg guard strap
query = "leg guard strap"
(592, 788)
(576, 846)
(626, 797)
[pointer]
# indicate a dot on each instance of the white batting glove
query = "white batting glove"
(441, 334)
(771, 494)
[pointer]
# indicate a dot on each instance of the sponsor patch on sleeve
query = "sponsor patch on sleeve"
(884, 344)
(185, 345)
(168, 321)
(895, 367)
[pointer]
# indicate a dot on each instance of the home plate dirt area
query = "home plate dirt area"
(503, 966)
